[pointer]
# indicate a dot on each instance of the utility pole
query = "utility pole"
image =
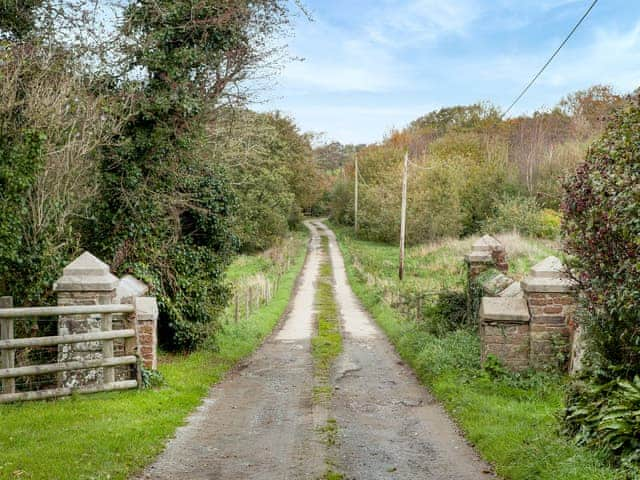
(356, 195)
(403, 215)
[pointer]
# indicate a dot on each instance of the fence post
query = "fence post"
(132, 344)
(107, 348)
(8, 356)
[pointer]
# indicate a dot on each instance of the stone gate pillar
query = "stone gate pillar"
(551, 298)
(486, 253)
(85, 281)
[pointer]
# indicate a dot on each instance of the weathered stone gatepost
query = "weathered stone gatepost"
(85, 281)
(551, 298)
(504, 331)
(486, 253)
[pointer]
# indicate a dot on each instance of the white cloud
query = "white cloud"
(341, 60)
(356, 123)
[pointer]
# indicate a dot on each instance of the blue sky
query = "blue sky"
(372, 65)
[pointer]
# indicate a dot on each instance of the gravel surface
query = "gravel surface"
(261, 423)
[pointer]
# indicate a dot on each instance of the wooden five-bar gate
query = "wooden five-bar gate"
(106, 364)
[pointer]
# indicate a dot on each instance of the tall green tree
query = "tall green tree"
(166, 207)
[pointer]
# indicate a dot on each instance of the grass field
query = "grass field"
(112, 435)
(511, 419)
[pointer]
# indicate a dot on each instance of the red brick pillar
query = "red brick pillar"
(504, 331)
(147, 328)
(551, 298)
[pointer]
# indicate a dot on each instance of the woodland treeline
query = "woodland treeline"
(472, 171)
(125, 132)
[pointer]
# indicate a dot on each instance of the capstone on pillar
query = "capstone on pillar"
(486, 253)
(551, 297)
(85, 281)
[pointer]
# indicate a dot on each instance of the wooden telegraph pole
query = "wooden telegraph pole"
(356, 194)
(403, 215)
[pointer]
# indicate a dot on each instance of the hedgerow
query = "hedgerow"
(602, 232)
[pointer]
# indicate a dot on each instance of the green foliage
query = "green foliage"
(341, 202)
(459, 118)
(333, 156)
(20, 159)
(602, 227)
(18, 17)
(523, 215)
(605, 414)
(270, 169)
(152, 379)
(493, 367)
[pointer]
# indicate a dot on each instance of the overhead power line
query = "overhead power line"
(564, 42)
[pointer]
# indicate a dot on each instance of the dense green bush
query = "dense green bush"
(605, 414)
(602, 231)
(341, 202)
(523, 215)
(602, 228)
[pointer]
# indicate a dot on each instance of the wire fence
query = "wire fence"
(443, 308)
(253, 292)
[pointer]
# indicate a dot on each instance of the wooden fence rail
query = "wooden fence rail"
(66, 339)
(33, 370)
(30, 312)
(8, 346)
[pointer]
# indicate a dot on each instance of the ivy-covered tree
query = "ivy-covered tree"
(166, 207)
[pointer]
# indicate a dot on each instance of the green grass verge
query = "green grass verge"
(112, 435)
(512, 421)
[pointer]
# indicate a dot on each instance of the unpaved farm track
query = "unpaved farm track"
(259, 423)
(390, 427)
